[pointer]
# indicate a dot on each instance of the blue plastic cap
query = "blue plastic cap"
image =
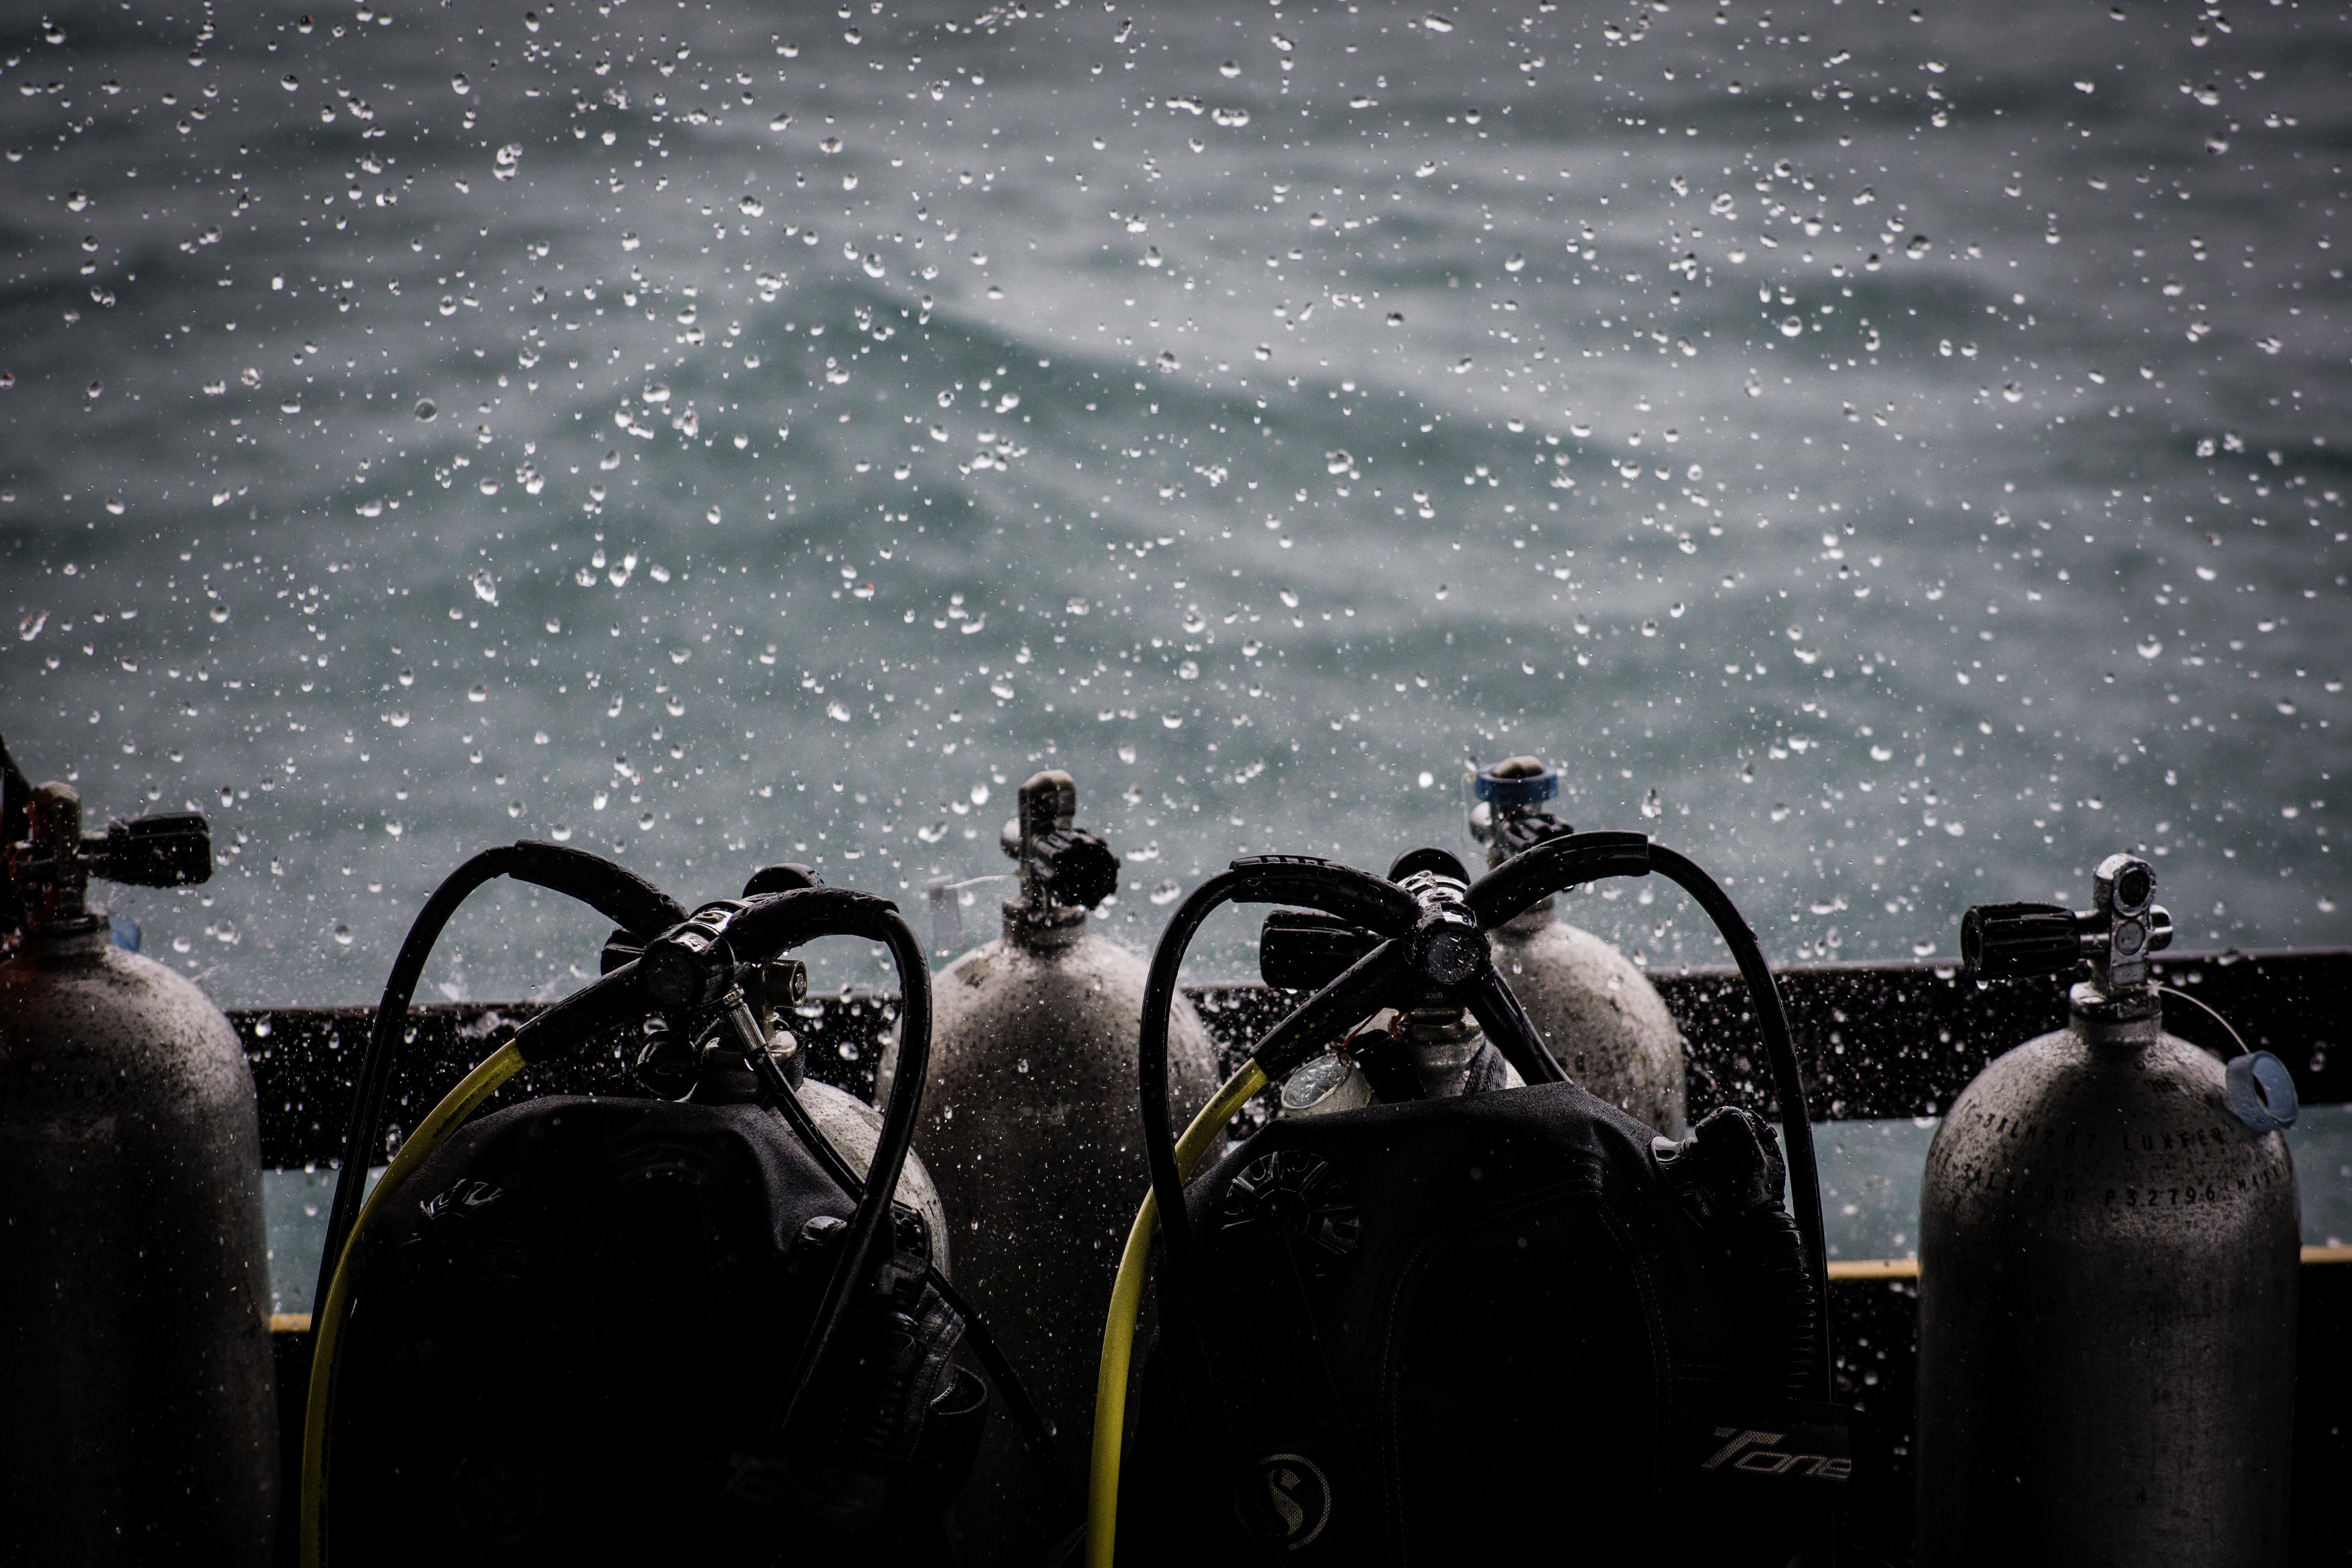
(2262, 1092)
(1531, 790)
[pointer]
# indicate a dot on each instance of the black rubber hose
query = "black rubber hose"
(1355, 896)
(1787, 1081)
(603, 1003)
(1554, 865)
(777, 920)
(1378, 980)
(1034, 1436)
(1561, 863)
(616, 891)
(1498, 1013)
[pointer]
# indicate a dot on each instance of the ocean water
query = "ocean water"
(1895, 455)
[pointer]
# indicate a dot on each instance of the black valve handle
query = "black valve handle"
(2019, 941)
(167, 850)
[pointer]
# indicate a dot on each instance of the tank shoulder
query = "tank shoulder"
(94, 998)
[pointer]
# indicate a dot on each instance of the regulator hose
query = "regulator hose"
(616, 891)
(773, 922)
(1034, 1436)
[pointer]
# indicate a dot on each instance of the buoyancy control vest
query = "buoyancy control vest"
(589, 1328)
(567, 1350)
(1451, 1329)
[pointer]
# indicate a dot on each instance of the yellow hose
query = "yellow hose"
(1125, 1303)
(431, 1133)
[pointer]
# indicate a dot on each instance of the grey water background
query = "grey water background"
(1897, 456)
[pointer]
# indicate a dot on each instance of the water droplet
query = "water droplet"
(427, 410)
(1167, 892)
(486, 586)
(1437, 24)
(561, 832)
(2149, 648)
(342, 934)
(752, 206)
(460, 85)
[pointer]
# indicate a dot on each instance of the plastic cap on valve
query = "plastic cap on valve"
(2016, 941)
(1516, 782)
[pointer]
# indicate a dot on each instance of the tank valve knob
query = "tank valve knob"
(2118, 936)
(47, 860)
(1509, 817)
(1306, 950)
(168, 849)
(1061, 863)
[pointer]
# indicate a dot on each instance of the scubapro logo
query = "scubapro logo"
(1756, 1454)
(1298, 1494)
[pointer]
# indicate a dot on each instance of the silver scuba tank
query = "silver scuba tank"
(2108, 1273)
(138, 1420)
(1599, 1013)
(1029, 1121)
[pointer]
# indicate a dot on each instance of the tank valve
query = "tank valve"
(1509, 818)
(46, 861)
(1061, 863)
(2118, 935)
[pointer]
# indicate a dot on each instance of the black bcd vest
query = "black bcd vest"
(1465, 1330)
(572, 1334)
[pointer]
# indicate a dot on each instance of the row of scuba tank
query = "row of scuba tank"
(1465, 1280)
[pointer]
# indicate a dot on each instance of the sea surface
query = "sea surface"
(1895, 455)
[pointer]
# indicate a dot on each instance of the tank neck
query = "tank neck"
(1050, 928)
(59, 880)
(2124, 1019)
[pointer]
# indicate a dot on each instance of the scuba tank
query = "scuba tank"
(584, 1327)
(2108, 1260)
(1436, 1332)
(1028, 1127)
(138, 1420)
(1599, 1013)
(1428, 1048)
